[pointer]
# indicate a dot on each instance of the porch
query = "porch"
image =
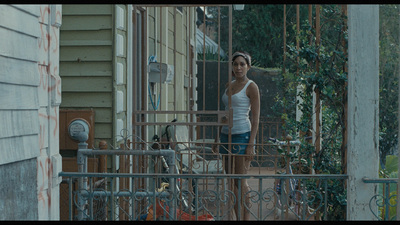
(130, 188)
(181, 194)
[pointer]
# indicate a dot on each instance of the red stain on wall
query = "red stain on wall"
(47, 172)
(43, 26)
(50, 82)
(43, 83)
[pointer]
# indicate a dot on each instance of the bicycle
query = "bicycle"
(185, 203)
(293, 194)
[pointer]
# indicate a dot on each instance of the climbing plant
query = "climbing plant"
(258, 29)
(313, 68)
(330, 79)
(388, 79)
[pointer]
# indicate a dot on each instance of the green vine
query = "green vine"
(319, 69)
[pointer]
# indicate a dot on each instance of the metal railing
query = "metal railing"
(386, 203)
(165, 195)
(267, 200)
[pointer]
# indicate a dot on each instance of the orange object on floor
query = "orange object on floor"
(180, 215)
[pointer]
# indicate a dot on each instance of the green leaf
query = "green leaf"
(392, 163)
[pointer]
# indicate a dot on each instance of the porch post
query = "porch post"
(363, 109)
(82, 181)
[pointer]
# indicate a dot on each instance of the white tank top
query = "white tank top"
(241, 109)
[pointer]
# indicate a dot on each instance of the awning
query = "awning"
(210, 45)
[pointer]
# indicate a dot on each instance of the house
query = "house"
(96, 63)
(91, 62)
(105, 57)
(30, 95)
(93, 53)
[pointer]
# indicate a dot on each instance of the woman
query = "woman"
(245, 96)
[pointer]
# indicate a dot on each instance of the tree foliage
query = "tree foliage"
(388, 79)
(313, 69)
(330, 81)
(258, 29)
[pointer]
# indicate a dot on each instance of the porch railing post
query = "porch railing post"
(170, 158)
(82, 181)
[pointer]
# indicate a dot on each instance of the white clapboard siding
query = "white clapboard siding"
(15, 148)
(18, 97)
(17, 19)
(25, 70)
(18, 123)
(30, 9)
(17, 45)
(19, 81)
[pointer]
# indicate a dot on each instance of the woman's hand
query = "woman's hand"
(225, 119)
(250, 152)
(214, 148)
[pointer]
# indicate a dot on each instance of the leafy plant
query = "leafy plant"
(319, 69)
(258, 29)
(390, 171)
(388, 79)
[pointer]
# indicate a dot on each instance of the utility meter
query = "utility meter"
(78, 129)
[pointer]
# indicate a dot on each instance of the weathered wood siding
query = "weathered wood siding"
(19, 82)
(19, 107)
(29, 96)
(86, 63)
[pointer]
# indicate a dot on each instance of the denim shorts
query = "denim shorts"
(239, 143)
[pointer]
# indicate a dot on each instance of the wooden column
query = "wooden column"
(363, 109)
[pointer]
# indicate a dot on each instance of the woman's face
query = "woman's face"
(240, 67)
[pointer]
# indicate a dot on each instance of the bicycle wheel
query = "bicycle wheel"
(186, 196)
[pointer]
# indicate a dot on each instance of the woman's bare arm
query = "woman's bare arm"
(254, 95)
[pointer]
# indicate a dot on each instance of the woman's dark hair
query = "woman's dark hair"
(244, 54)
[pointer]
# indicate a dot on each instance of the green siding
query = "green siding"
(87, 84)
(99, 22)
(103, 37)
(90, 9)
(87, 100)
(103, 115)
(85, 69)
(86, 63)
(103, 131)
(86, 53)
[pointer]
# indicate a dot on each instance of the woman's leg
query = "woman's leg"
(229, 169)
(235, 163)
(242, 166)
